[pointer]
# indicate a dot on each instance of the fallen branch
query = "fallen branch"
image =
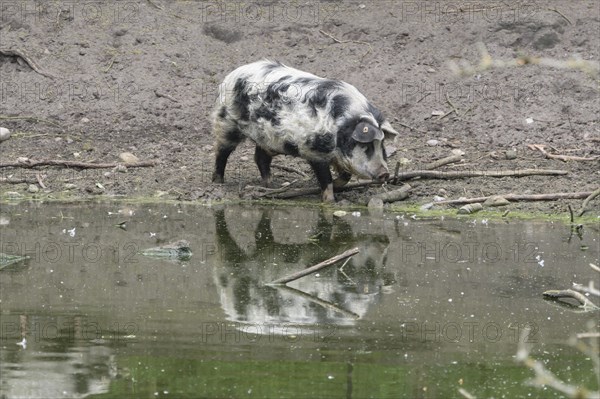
(428, 174)
(563, 158)
(561, 14)
(518, 197)
(14, 180)
(587, 200)
(73, 164)
(410, 127)
(13, 52)
(315, 268)
(444, 161)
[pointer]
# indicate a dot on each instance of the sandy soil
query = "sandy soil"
(141, 77)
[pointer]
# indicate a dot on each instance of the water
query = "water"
(426, 307)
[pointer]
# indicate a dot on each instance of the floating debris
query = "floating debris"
(176, 250)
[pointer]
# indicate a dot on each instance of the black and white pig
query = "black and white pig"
(288, 111)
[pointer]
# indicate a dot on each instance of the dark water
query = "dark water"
(426, 307)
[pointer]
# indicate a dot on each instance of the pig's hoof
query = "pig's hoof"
(217, 179)
(267, 183)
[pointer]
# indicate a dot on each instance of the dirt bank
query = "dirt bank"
(141, 77)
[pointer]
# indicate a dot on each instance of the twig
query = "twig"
(594, 267)
(543, 377)
(465, 393)
(348, 41)
(288, 169)
(444, 161)
(518, 197)
(571, 213)
(14, 180)
(160, 94)
(487, 62)
(558, 294)
(589, 289)
(587, 200)
(73, 164)
(40, 181)
(317, 267)
(15, 52)
(395, 180)
(155, 5)
(563, 158)
(410, 127)
(588, 335)
(561, 14)
(33, 118)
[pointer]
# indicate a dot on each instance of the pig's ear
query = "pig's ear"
(389, 131)
(366, 133)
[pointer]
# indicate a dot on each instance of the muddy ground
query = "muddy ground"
(142, 76)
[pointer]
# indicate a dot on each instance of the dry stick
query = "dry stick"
(317, 267)
(13, 180)
(444, 161)
(288, 169)
(395, 180)
(430, 174)
(40, 181)
(318, 301)
(155, 5)
(410, 127)
(563, 158)
(395, 195)
(33, 118)
(579, 297)
(348, 41)
(161, 94)
(588, 199)
(561, 14)
(74, 164)
(518, 197)
(15, 52)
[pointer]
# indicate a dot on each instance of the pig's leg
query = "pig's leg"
(263, 161)
(325, 180)
(227, 141)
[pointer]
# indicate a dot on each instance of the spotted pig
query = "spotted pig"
(287, 111)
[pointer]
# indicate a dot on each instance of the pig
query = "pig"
(284, 110)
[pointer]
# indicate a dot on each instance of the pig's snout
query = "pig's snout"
(383, 176)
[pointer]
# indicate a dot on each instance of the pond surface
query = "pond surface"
(426, 307)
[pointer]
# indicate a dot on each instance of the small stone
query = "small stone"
(457, 151)
(375, 203)
(13, 194)
(128, 158)
(69, 140)
(339, 214)
(442, 191)
(120, 32)
(107, 174)
(120, 168)
(23, 160)
(70, 186)
(58, 139)
(362, 6)
(85, 120)
(496, 200)
(437, 113)
(207, 148)
(529, 120)
(432, 143)
(244, 158)
(437, 198)
(430, 70)
(33, 189)
(285, 184)
(4, 134)
(76, 154)
(427, 206)
(470, 208)
(511, 154)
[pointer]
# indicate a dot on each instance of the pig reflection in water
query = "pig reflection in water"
(275, 246)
